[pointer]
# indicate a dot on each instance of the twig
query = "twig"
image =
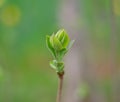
(60, 85)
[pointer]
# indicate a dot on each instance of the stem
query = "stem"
(60, 85)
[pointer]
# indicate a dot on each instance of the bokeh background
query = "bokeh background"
(92, 65)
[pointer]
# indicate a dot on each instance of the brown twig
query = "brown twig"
(60, 85)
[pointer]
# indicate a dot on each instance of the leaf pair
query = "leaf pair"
(58, 66)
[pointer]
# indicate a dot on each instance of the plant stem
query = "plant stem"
(60, 85)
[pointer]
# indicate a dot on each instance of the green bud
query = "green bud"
(58, 44)
(60, 40)
(63, 38)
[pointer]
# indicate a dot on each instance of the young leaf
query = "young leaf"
(53, 64)
(57, 44)
(51, 40)
(65, 41)
(60, 34)
(62, 53)
(70, 44)
(49, 46)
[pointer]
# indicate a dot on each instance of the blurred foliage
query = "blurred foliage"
(102, 21)
(1, 74)
(84, 91)
(116, 4)
(1, 3)
(106, 88)
(96, 16)
(23, 56)
(10, 15)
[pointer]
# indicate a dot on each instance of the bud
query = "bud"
(60, 40)
(63, 38)
(58, 44)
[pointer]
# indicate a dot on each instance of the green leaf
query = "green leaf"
(53, 64)
(60, 34)
(49, 46)
(51, 40)
(70, 44)
(57, 44)
(65, 41)
(62, 53)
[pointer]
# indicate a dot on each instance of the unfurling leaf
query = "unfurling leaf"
(49, 46)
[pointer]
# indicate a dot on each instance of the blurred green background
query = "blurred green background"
(25, 74)
(24, 70)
